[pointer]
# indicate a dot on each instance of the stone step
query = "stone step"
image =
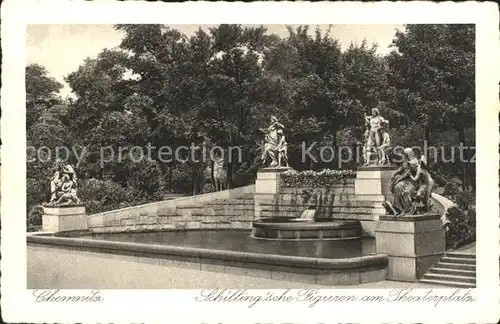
(457, 266)
(458, 260)
(248, 194)
(226, 216)
(336, 204)
(187, 207)
(330, 186)
(215, 222)
(334, 210)
(239, 209)
(450, 278)
(448, 283)
(238, 213)
(233, 211)
(331, 191)
(232, 207)
(340, 213)
(453, 272)
(461, 255)
(224, 202)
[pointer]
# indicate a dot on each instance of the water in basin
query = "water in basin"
(238, 240)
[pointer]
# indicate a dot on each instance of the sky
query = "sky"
(62, 48)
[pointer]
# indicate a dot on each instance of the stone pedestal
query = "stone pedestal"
(64, 218)
(374, 181)
(413, 244)
(268, 180)
(266, 186)
(372, 185)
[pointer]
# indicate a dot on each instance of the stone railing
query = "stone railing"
(442, 204)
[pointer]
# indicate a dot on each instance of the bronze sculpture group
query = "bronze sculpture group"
(411, 186)
(275, 146)
(63, 186)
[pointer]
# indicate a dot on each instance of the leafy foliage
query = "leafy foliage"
(431, 77)
(103, 195)
(460, 227)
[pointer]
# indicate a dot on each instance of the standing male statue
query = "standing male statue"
(275, 146)
(376, 137)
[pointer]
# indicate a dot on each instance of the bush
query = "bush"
(460, 228)
(34, 218)
(144, 178)
(465, 200)
(208, 187)
(182, 181)
(439, 179)
(105, 195)
(450, 190)
(314, 179)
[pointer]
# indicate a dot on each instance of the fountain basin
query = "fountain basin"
(283, 228)
(315, 262)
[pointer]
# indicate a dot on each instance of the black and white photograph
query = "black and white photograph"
(238, 158)
(256, 141)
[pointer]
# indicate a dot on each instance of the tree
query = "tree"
(44, 128)
(108, 120)
(327, 89)
(432, 75)
(205, 86)
(41, 92)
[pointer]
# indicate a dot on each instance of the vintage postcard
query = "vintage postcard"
(264, 162)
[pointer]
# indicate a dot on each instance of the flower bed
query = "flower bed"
(315, 179)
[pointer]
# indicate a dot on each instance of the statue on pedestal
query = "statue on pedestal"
(275, 146)
(411, 186)
(220, 173)
(63, 186)
(377, 139)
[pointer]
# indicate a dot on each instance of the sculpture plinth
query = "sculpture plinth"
(374, 181)
(412, 243)
(372, 184)
(267, 186)
(268, 180)
(59, 218)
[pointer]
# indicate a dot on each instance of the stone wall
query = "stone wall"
(193, 212)
(291, 202)
(337, 201)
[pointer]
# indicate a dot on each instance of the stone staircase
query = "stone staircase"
(455, 269)
(237, 213)
(342, 209)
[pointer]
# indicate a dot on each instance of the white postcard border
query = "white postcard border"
(18, 304)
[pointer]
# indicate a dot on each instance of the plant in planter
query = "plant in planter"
(315, 179)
